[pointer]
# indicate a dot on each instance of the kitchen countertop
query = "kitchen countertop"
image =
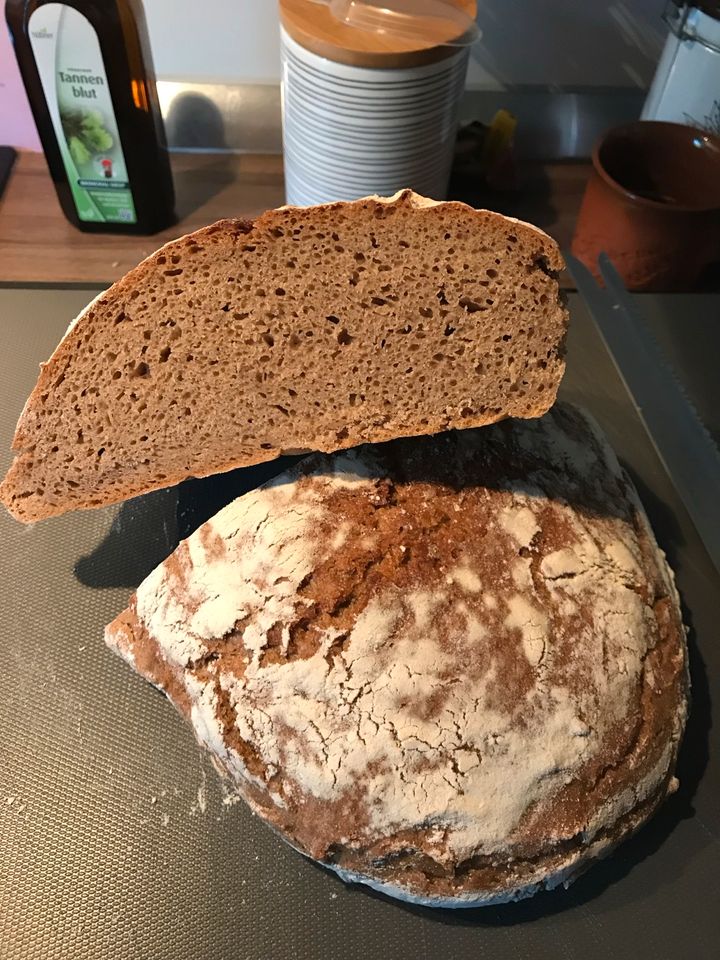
(116, 839)
(38, 245)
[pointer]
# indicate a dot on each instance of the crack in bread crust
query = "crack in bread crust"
(458, 690)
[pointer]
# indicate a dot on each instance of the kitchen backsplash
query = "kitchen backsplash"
(556, 44)
(564, 43)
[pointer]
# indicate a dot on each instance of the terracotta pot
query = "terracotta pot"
(652, 204)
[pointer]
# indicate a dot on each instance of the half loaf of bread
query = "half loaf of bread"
(309, 328)
(452, 668)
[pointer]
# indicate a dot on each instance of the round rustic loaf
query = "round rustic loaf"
(451, 668)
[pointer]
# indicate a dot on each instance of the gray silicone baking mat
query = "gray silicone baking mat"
(116, 840)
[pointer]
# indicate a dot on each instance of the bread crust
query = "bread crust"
(452, 668)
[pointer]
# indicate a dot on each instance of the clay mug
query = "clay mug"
(652, 204)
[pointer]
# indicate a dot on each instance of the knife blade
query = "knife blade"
(681, 440)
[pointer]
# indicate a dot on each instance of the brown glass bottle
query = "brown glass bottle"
(87, 68)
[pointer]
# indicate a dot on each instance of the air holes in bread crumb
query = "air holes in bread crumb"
(472, 306)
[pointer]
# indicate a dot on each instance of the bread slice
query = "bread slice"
(309, 328)
(451, 668)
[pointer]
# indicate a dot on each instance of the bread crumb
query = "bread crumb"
(421, 364)
(230, 799)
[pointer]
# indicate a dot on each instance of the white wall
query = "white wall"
(225, 40)
(547, 43)
(554, 43)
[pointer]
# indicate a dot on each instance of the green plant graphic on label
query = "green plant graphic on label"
(85, 135)
(72, 73)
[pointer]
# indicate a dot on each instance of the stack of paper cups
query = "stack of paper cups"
(350, 131)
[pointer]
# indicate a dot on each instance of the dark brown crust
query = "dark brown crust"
(40, 484)
(420, 481)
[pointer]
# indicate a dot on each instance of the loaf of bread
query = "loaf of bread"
(306, 329)
(451, 668)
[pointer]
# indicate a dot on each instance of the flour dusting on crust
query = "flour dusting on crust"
(458, 704)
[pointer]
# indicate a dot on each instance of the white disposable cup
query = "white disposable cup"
(352, 131)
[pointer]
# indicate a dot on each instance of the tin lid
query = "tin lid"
(695, 22)
(314, 26)
(678, 8)
(710, 7)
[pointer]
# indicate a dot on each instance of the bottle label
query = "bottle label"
(72, 72)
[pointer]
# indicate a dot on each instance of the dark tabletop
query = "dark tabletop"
(116, 839)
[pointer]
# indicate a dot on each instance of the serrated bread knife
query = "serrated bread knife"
(679, 436)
